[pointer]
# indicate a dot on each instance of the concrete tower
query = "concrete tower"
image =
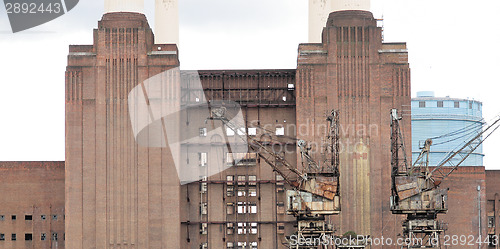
(319, 10)
(124, 6)
(167, 22)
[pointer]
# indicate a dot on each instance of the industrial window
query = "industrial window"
(491, 221)
(230, 191)
(2, 217)
(203, 187)
(280, 131)
(54, 217)
(242, 228)
(28, 236)
(229, 132)
(457, 104)
(43, 217)
(2, 236)
(252, 180)
(252, 207)
(279, 183)
(14, 237)
(43, 236)
(281, 228)
(241, 192)
(284, 98)
(280, 207)
(242, 207)
(421, 104)
(253, 245)
(252, 191)
(230, 245)
(203, 208)
(14, 217)
(28, 217)
(204, 245)
(54, 236)
(243, 159)
(230, 179)
(241, 131)
(242, 245)
(230, 228)
(470, 105)
(203, 228)
(203, 158)
(253, 228)
(252, 131)
(440, 104)
(291, 86)
(230, 208)
(203, 132)
(242, 180)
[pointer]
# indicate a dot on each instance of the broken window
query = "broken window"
(203, 132)
(242, 207)
(204, 245)
(43, 236)
(230, 228)
(252, 180)
(491, 221)
(43, 217)
(28, 236)
(2, 236)
(230, 191)
(203, 208)
(203, 228)
(229, 132)
(253, 228)
(281, 228)
(242, 228)
(280, 131)
(54, 236)
(241, 159)
(252, 131)
(2, 217)
(54, 217)
(252, 207)
(252, 191)
(230, 208)
(203, 158)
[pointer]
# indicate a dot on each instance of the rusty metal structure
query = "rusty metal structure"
(314, 192)
(415, 188)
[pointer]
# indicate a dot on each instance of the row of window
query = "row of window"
(29, 237)
(280, 131)
(29, 217)
(456, 104)
(231, 245)
(242, 159)
(241, 190)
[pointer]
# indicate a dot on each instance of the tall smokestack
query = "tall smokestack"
(320, 9)
(167, 22)
(124, 6)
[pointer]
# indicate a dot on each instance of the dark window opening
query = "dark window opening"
(28, 217)
(14, 237)
(43, 236)
(2, 237)
(470, 105)
(43, 217)
(14, 217)
(28, 236)
(54, 236)
(2, 217)
(440, 104)
(421, 104)
(54, 217)
(457, 104)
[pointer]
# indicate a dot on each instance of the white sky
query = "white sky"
(453, 49)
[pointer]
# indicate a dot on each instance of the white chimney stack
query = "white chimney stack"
(320, 9)
(124, 6)
(167, 22)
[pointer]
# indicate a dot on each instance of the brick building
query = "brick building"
(122, 195)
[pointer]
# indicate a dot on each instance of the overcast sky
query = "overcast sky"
(453, 49)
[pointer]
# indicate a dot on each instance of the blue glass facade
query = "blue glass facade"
(449, 122)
